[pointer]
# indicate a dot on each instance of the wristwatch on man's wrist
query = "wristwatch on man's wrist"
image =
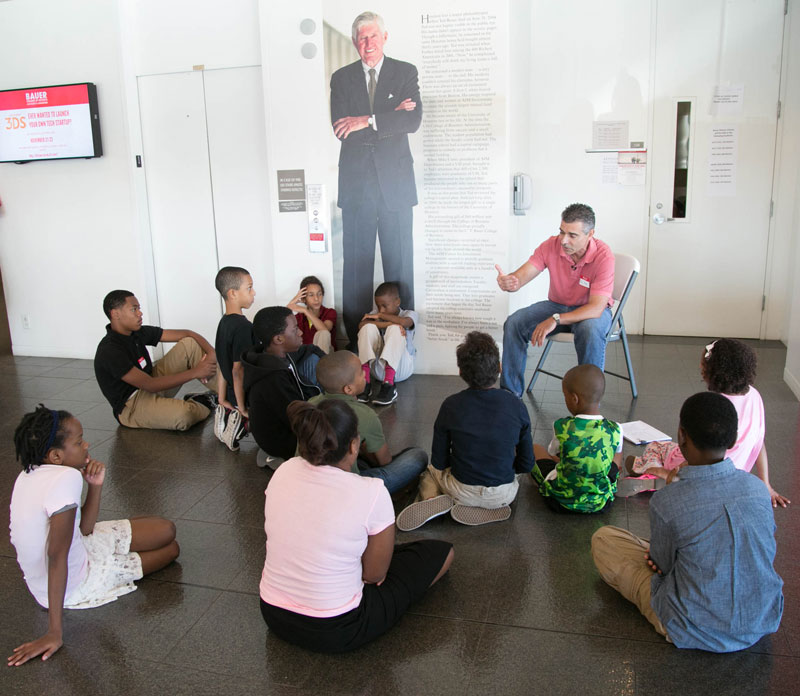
(557, 318)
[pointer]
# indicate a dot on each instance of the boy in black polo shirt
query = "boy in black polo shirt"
(131, 382)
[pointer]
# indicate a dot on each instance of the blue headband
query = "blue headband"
(53, 431)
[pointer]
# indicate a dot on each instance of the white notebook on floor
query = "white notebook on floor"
(640, 433)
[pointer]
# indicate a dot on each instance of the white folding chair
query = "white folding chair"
(626, 268)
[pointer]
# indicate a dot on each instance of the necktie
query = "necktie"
(371, 89)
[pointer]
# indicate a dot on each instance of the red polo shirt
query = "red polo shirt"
(571, 284)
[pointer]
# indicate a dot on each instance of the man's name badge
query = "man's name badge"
(142, 363)
(584, 281)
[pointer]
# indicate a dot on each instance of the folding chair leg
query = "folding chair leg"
(624, 338)
(547, 346)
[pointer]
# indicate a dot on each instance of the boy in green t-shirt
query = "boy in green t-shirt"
(578, 470)
(341, 377)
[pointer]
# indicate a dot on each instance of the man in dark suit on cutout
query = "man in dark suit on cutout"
(375, 104)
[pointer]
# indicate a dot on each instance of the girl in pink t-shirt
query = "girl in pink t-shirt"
(68, 559)
(333, 578)
(728, 367)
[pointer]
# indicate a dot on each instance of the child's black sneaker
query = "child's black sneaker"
(387, 395)
(207, 399)
(220, 421)
(235, 430)
(363, 397)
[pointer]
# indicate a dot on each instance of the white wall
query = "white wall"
(790, 193)
(576, 71)
(298, 133)
(66, 227)
(72, 230)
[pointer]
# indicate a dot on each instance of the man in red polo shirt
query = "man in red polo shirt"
(581, 282)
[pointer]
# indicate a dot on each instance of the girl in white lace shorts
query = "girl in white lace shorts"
(70, 560)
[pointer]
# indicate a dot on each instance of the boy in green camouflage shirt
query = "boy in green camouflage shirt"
(578, 471)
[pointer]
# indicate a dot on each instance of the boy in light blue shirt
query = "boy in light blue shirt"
(706, 579)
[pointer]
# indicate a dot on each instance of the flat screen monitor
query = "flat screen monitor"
(46, 123)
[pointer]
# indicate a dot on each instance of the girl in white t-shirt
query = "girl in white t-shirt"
(67, 557)
(333, 578)
(728, 367)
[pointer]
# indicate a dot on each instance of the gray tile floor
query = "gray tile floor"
(521, 612)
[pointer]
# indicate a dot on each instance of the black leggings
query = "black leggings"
(410, 574)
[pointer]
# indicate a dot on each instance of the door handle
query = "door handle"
(659, 219)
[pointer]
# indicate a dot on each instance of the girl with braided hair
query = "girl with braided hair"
(333, 578)
(70, 560)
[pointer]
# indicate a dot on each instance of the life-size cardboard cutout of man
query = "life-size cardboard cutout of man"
(375, 104)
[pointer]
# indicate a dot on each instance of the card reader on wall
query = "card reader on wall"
(522, 193)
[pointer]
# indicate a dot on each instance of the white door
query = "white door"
(205, 163)
(712, 165)
(180, 202)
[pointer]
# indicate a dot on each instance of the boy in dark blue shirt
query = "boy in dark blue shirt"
(481, 440)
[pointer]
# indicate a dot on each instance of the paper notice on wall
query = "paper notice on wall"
(609, 168)
(631, 168)
(722, 157)
(727, 100)
(609, 135)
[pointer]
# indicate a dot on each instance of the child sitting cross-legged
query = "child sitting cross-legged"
(705, 580)
(333, 578)
(69, 560)
(578, 471)
(342, 378)
(481, 440)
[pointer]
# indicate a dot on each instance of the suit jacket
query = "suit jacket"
(388, 146)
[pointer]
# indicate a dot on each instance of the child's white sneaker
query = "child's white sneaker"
(220, 421)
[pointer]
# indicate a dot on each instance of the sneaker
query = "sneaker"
(473, 516)
(220, 421)
(417, 514)
(264, 460)
(207, 399)
(363, 397)
(631, 486)
(235, 430)
(387, 395)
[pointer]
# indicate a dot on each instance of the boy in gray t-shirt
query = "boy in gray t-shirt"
(386, 344)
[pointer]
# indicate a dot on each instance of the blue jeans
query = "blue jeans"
(590, 340)
(404, 469)
(307, 369)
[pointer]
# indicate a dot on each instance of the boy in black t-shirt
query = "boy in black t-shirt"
(234, 337)
(132, 383)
